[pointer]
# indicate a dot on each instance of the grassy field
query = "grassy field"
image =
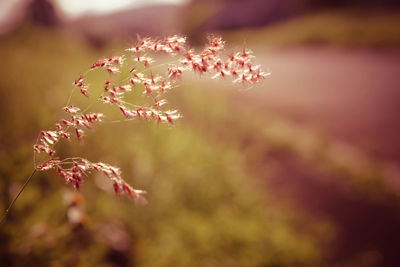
(211, 201)
(337, 28)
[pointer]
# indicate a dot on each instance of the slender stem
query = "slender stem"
(15, 199)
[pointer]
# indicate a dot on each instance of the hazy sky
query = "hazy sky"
(74, 8)
(5, 7)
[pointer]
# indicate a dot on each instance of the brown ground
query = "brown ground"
(352, 95)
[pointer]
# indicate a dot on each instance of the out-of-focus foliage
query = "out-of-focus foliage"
(343, 28)
(209, 177)
(206, 208)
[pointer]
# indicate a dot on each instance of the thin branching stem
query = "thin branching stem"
(16, 197)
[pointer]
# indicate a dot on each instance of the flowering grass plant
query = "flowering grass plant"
(139, 59)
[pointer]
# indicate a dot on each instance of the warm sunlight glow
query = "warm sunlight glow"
(76, 8)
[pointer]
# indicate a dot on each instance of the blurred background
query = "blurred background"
(302, 170)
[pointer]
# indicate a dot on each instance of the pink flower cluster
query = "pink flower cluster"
(79, 167)
(138, 58)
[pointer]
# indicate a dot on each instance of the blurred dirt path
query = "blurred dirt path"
(351, 95)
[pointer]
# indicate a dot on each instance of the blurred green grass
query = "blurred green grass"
(338, 28)
(204, 207)
(209, 203)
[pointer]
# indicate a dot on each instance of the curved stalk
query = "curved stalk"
(16, 197)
